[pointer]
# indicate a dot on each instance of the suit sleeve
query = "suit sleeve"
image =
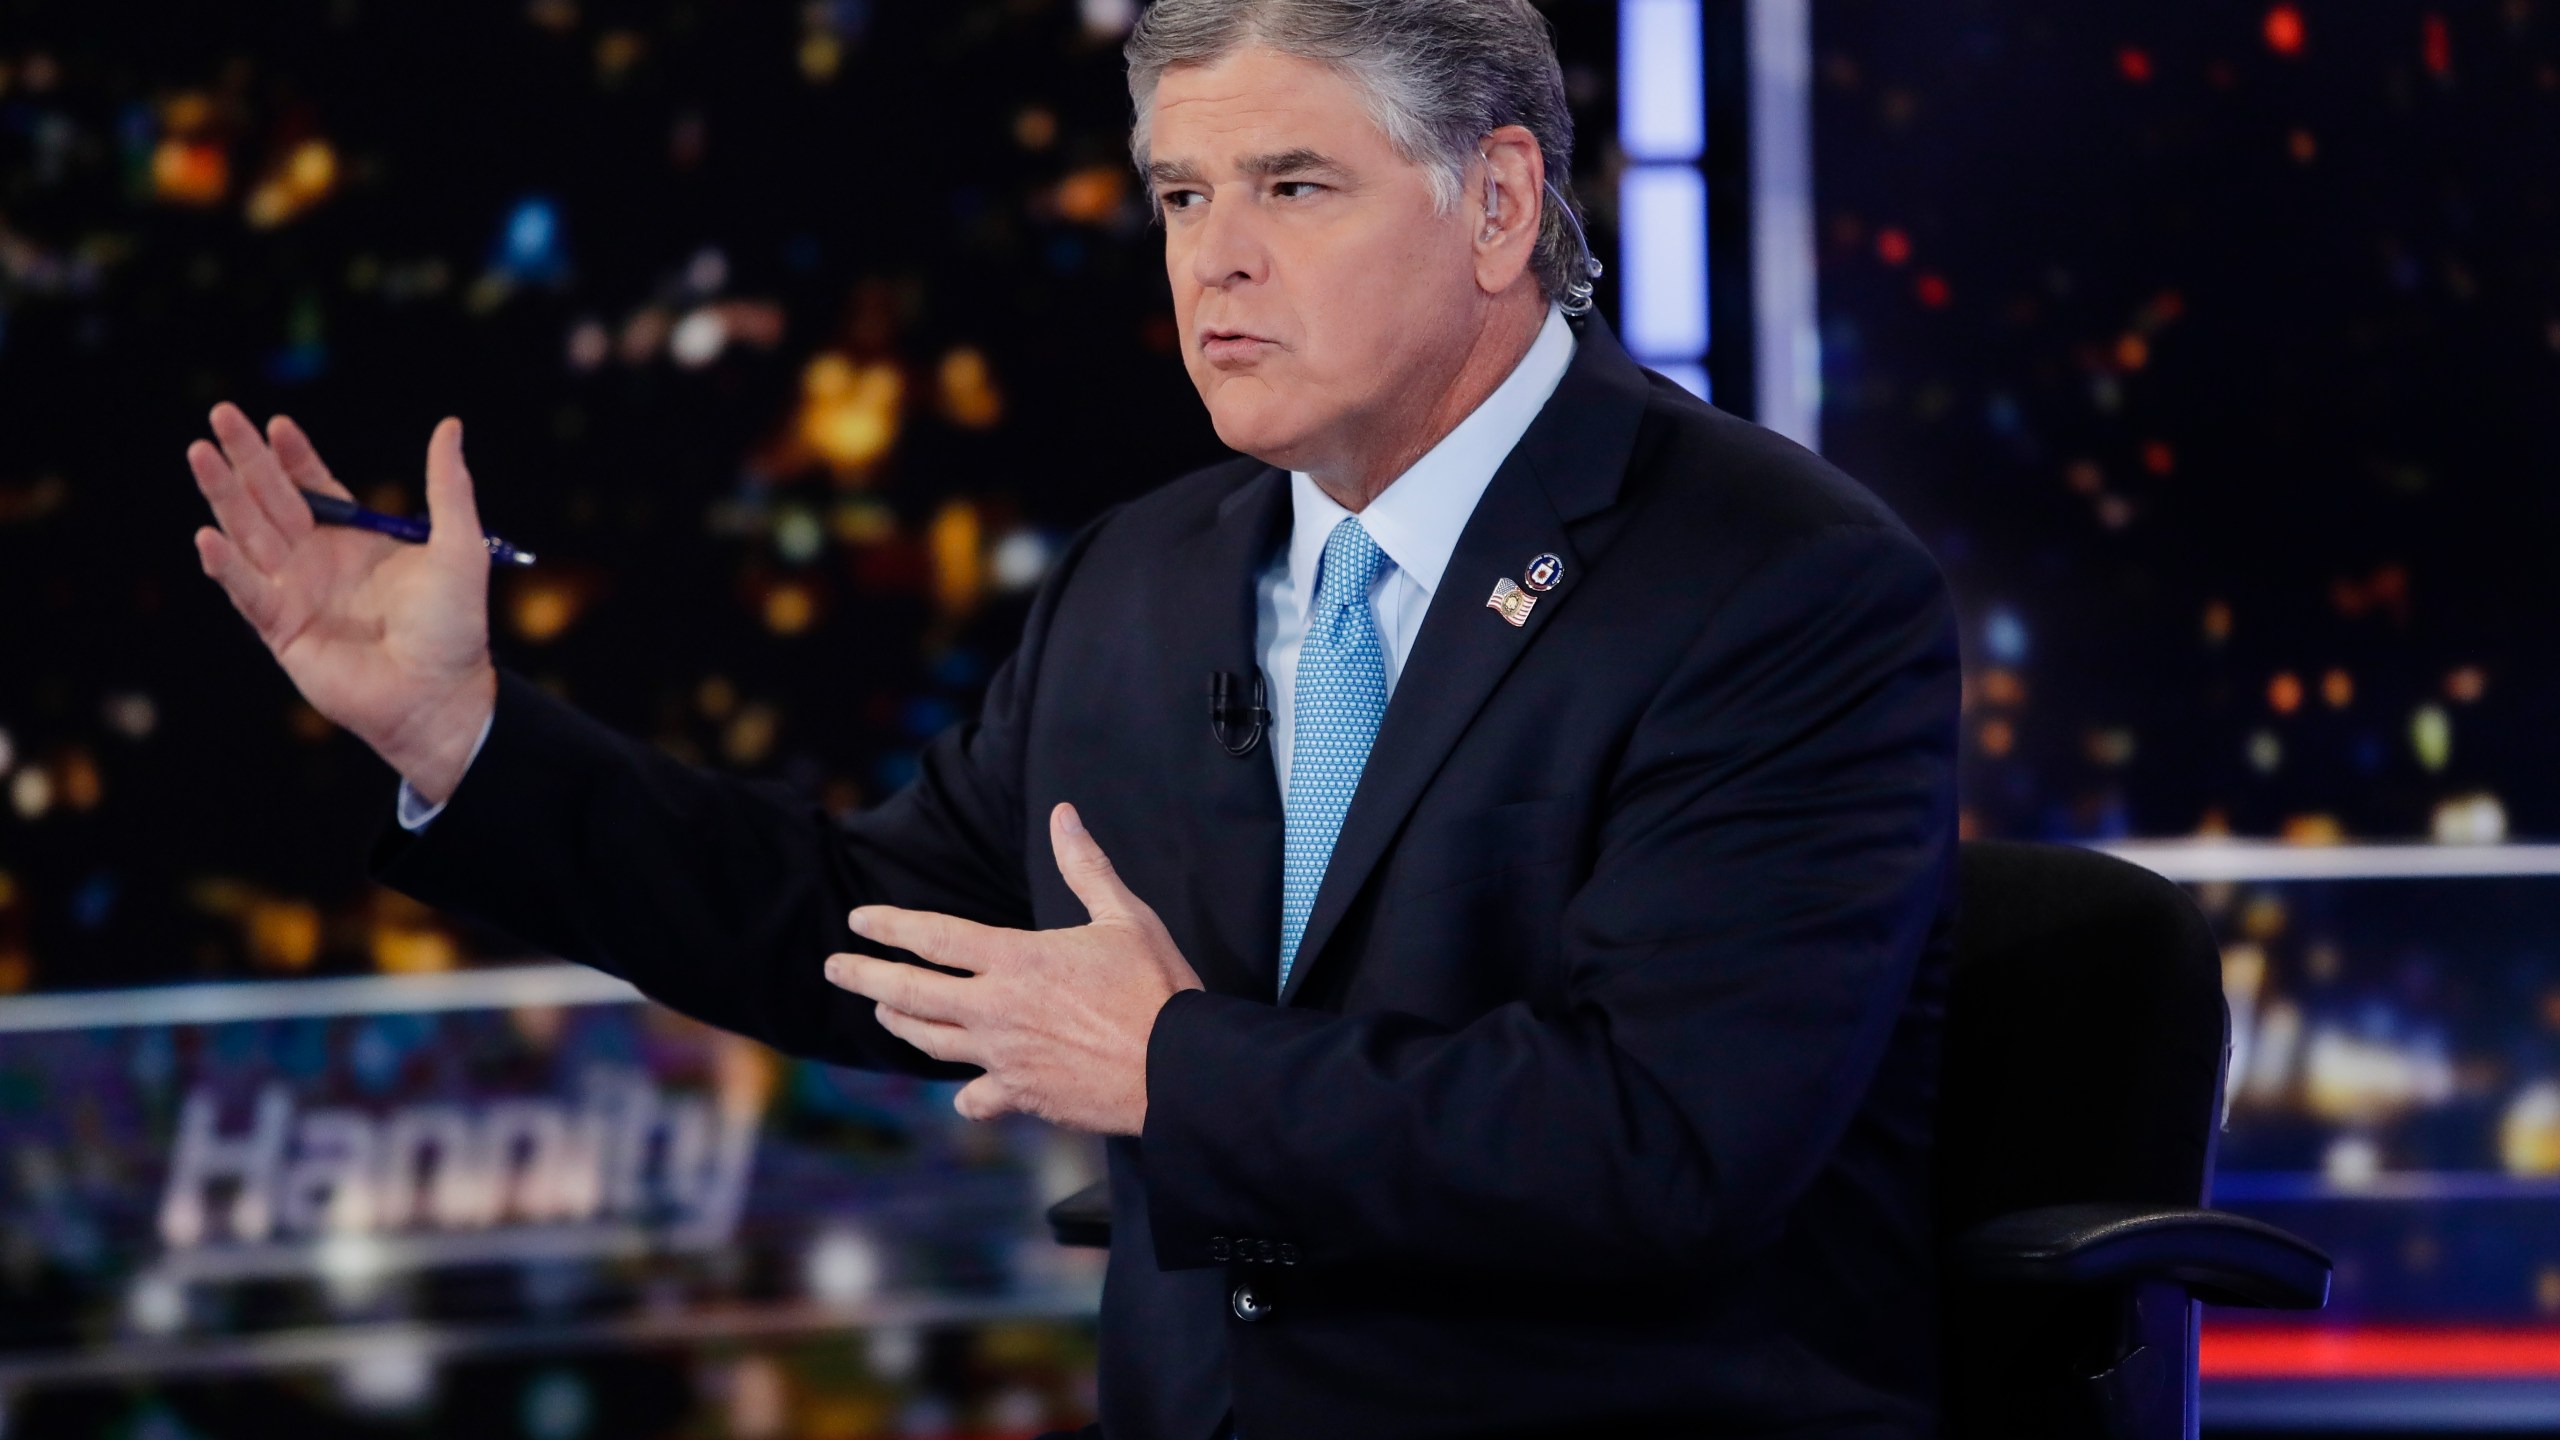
(718, 896)
(1774, 851)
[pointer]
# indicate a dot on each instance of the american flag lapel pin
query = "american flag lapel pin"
(1511, 602)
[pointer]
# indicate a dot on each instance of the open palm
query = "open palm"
(389, 640)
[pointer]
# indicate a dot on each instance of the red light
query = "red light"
(1892, 246)
(1933, 291)
(2437, 45)
(2158, 458)
(2133, 64)
(2285, 30)
(2314, 1351)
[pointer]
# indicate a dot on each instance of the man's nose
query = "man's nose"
(1228, 248)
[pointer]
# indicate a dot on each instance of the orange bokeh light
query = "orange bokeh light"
(1093, 195)
(190, 172)
(1997, 738)
(2284, 692)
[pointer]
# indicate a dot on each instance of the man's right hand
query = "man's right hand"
(387, 639)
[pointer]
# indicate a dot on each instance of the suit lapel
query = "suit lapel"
(1234, 861)
(1567, 466)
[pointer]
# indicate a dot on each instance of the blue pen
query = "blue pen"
(330, 510)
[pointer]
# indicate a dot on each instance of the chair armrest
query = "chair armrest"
(1084, 1218)
(2222, 1258)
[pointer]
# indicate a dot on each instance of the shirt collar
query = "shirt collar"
(1417, 518)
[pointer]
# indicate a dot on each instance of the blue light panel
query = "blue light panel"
(1662, 96)
(1662, 199)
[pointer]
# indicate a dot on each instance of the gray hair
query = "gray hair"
(1440, 76)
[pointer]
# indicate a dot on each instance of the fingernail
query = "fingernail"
(1069, 820)
(835, 969)
(858, 919)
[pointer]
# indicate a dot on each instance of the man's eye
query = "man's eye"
(1179, 199)
(1292, 189)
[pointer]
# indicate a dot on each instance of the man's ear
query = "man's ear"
(1507, 205)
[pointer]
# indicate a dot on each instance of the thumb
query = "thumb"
(1087, 870)
(981, 1099)
(451, 510)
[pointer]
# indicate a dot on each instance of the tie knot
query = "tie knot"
(1351, 566)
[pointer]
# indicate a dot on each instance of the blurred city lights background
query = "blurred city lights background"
(2212, 348)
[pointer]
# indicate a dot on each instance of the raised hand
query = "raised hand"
(1059, 1019)
(388, 640)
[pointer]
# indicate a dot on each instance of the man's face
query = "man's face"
(1316, 287)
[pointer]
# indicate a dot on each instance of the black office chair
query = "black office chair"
(2082, 1093)
(2085, 1046)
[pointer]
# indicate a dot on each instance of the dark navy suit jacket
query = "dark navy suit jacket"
(1601, 1099)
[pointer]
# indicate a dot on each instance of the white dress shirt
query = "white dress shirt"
(1415, 520)
(413, 809)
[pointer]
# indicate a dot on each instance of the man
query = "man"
(1528, 1024)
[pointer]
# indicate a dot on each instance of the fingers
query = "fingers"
(911, 988)
(252, 593)
(942, 939)
(1087, 870)
(300, 460)
(451, 510)
(939, 1039)
(259, 473)
(240, 517)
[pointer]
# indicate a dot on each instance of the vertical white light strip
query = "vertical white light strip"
(1663, 213)
(1662, 197)
(1788, 361)
(1662, 94)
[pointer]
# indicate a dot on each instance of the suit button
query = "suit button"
(1218, 1249)
(1267, 1252)
(1288, 1254)
(1248, 1304)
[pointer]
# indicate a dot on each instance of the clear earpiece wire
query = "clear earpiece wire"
(1577, 293)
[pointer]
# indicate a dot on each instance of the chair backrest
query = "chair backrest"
(2085, 1037)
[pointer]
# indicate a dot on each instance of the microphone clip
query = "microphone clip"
(1238, 725)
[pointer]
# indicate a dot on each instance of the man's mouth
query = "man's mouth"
(1232, 347)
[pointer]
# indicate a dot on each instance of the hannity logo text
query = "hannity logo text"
(265, 1188)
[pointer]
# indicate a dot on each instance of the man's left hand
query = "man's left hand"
(1058, 1019)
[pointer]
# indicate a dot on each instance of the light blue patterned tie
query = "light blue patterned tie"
(1342, 694)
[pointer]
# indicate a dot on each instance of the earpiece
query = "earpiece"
(1577, 296)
